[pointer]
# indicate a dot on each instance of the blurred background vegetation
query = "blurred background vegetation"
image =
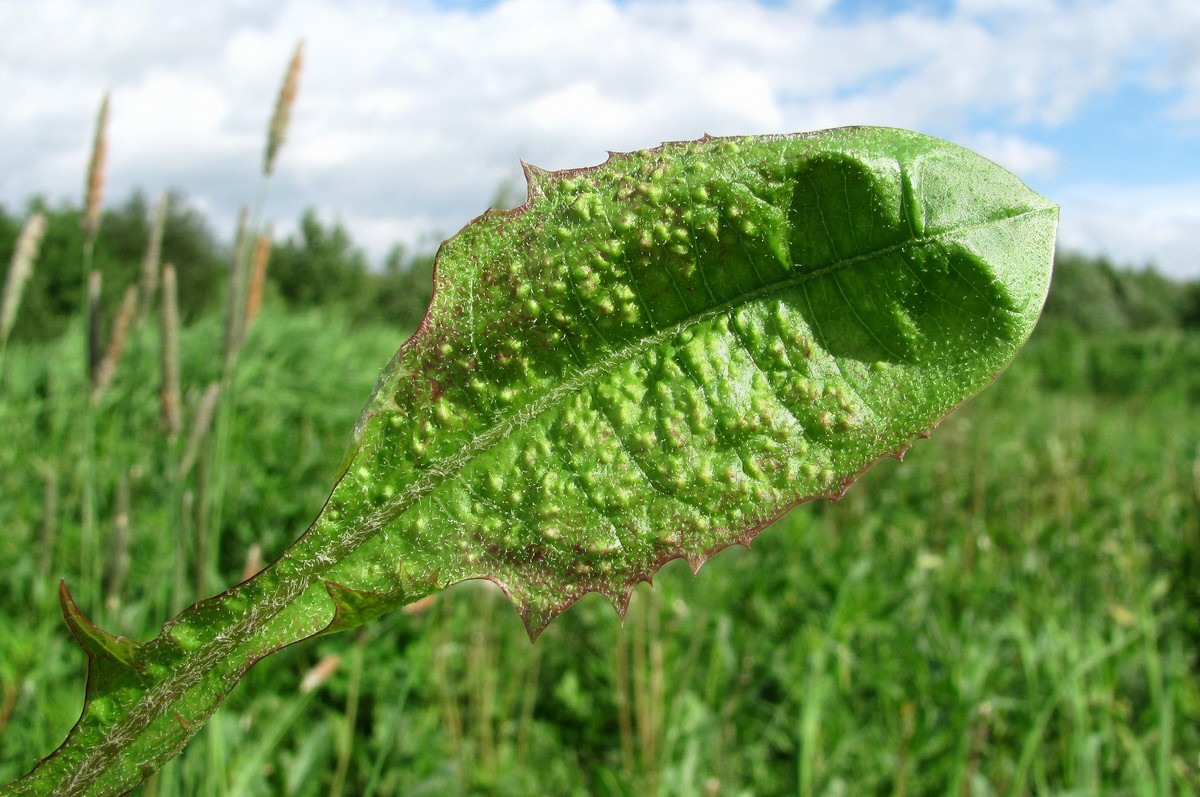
(318, 266)
(321, 266)
(1015, 609)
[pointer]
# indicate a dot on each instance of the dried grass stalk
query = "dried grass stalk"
(19, 270)
(148, 281)
(94, 189)
(117, 566)
(172, 403)
(235, 303)
(49, 527)
(258, 277)
(95, 345)
(107, 369)
(254, 562)
(277, 132)
(201, 425)
(321, 672)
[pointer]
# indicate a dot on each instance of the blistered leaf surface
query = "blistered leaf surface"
(651, 359)
(657, 357)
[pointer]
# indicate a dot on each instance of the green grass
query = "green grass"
(1015, 609)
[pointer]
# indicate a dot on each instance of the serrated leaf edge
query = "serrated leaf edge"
(99, 645)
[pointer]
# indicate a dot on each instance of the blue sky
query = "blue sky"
(411, 114)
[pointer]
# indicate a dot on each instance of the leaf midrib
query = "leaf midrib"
(437, 472)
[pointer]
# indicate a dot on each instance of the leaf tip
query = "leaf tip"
(353, 607)
(536, 180)
(96, 642)
(535, 621)
(695, 561)
(70, 609)
(81, 627)
(620, 601)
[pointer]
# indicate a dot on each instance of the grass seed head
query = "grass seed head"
(277, 132)
(201, 426)
(258, 276)
(172, 402)
(19, 270)
(235, 299)
(151, 259)
(94, 189)
(94, 339)
(107, 369)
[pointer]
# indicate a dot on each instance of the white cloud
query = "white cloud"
(1016, 154)
(1151, 225)
(409, 117)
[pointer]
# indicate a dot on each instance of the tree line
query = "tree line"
(318, 265)
(321, 266)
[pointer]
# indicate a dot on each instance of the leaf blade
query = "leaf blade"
(651, 359)
(947, 310)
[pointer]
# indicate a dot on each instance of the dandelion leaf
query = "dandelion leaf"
(657, 357)
(650, 359)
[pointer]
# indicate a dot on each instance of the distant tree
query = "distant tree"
(404, 287)
(1082, 294)
(1190, 314)
(1091, 294)
(53, 295)
(54, 292)
(320, 265)
(10, 228)
(1150, 300)
(200, 260)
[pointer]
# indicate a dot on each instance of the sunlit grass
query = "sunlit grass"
(1011, 610)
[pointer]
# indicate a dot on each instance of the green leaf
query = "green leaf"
(658, 357)
(651, 359)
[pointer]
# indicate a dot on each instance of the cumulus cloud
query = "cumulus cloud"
(1018, 155)
(1153, 225)
(411, 115)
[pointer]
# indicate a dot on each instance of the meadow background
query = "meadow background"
(1014, 609)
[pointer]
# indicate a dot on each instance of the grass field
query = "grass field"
(1014, 609)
